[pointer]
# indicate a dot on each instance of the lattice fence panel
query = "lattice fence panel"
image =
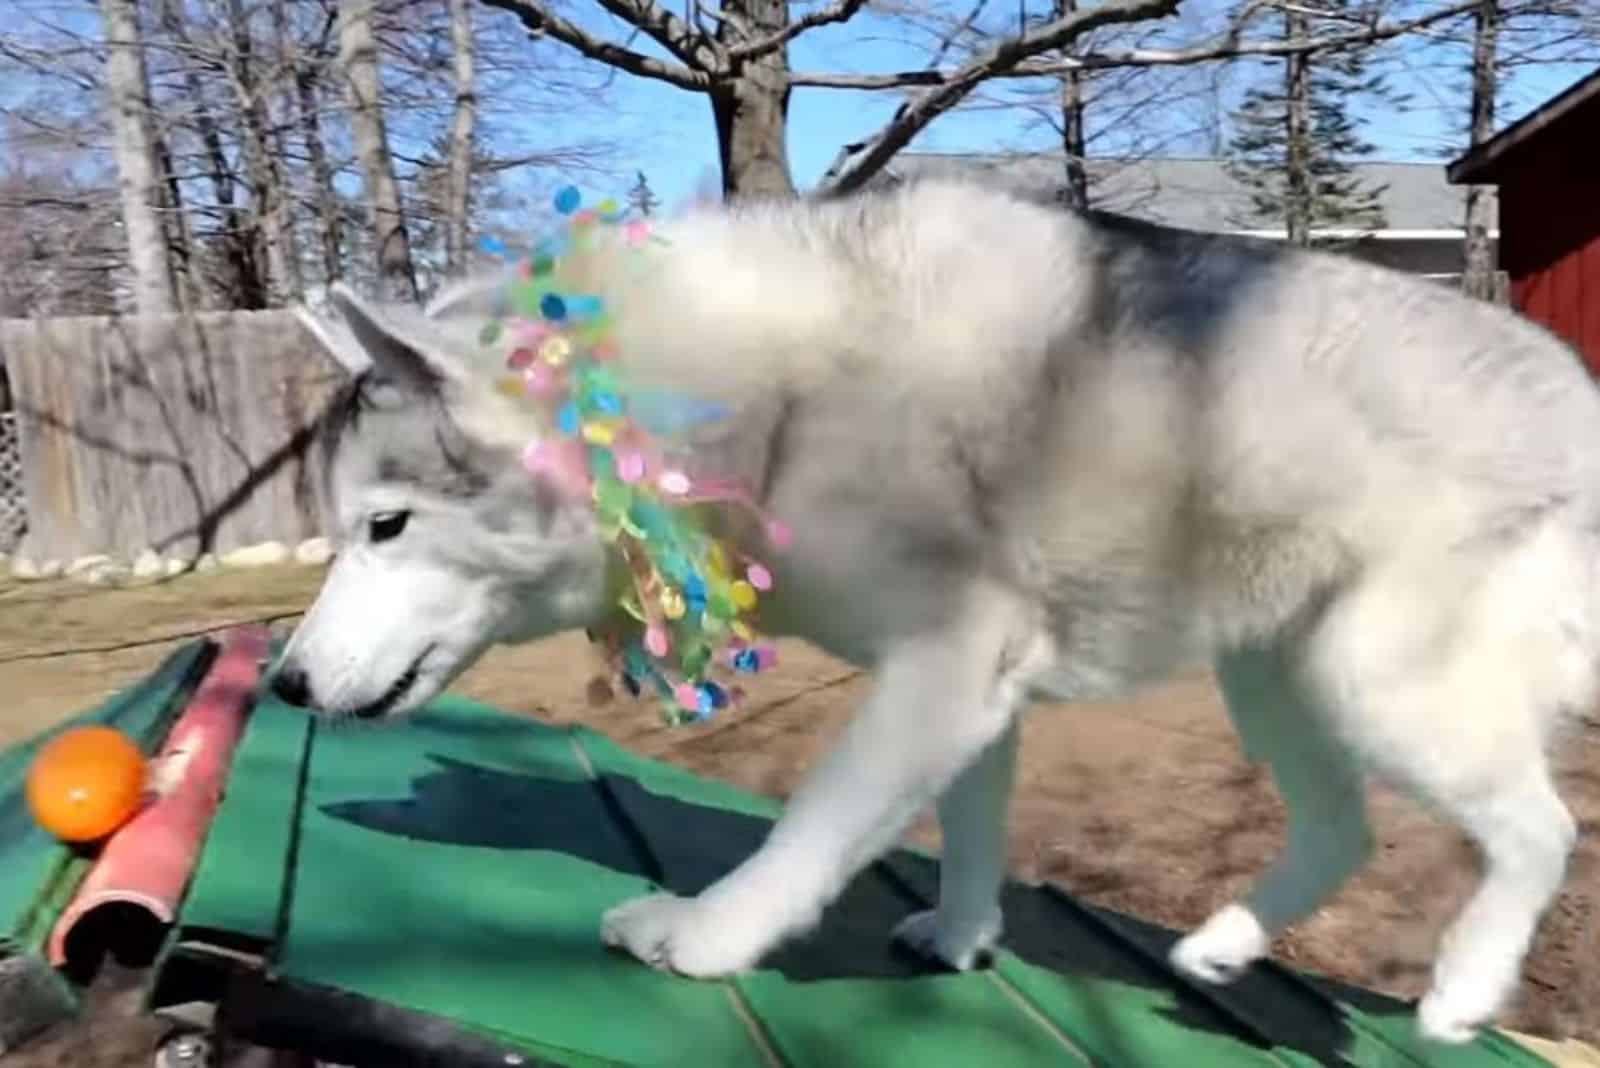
(13, 503)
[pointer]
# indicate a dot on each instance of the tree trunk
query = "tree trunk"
(327, 201)
(294, 275)
(1478, 276)
(1297, 172)
(752, 109)
(139, 180)
(458, 197)
(1073, 141)
(179, 233)
(263, 169)
(358, 56)
(240, 239)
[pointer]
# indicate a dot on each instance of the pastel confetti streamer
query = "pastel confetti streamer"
(688, 612)
(540, 380)
(630, 466)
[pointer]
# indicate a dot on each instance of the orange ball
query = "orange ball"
(85, 783)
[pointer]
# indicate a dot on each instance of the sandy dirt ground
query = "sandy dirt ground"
(1144, 806)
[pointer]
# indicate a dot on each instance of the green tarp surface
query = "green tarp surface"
(456, 866)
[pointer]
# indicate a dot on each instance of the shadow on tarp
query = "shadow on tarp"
(615, 823)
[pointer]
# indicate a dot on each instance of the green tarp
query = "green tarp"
(429, 892)
(455, 867)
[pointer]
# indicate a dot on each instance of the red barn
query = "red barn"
(1546, 166)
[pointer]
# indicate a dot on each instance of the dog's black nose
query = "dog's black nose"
(292, 687)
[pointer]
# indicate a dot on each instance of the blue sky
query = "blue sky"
(670, 136)
(674, 142)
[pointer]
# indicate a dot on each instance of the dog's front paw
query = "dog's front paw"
(962, 946)
(1223, 947)
(684, 936)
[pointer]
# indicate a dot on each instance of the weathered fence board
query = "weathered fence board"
(183, 434)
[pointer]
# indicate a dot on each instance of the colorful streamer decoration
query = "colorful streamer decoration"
(686, 620)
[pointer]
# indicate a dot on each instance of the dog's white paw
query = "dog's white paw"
(961, 946)
(1224, 946)
(684, 936)
(1455, 1011)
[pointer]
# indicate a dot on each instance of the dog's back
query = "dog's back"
(1174, 437)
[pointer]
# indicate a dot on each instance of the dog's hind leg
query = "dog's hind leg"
(1279, 721)
(941, 698)
(972, 822)
(1525, 834)
(1448, 677)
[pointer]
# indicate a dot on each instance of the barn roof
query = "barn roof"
(1483, 163)
(1196, 193)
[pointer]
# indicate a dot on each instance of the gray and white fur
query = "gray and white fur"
(1029, 455)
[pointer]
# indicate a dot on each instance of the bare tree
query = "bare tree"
(259, 161)
(1020, 56)
(58, 234)
(175, 227)
(462, 140)
(283, 196)
(752, 109)
(238, 237)
(1477, 71)
(311, 62)
(1074, 136)
(1478, 278)
(1297, 109)
(358, 58)
(1121, 117)
(263, 165)
(741, 63)
(128, 93)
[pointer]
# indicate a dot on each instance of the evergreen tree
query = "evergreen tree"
(1295, 144)
(642, 197)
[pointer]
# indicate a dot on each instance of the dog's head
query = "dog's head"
(446, 546)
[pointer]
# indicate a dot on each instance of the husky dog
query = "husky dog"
(1029, 455)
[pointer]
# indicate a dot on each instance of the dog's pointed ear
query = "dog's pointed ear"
(331, 331)
(390, 346)
(476, 297)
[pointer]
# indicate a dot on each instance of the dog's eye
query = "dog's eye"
(385, 525)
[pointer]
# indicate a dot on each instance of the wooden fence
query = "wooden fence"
(181, 434)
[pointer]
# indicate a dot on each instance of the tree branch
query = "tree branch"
(898, 79)
(995, 61)
(695, 48)
(1222, 47)
(540, 22)
(1229, 47)
(838, 11)
(727, 18)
